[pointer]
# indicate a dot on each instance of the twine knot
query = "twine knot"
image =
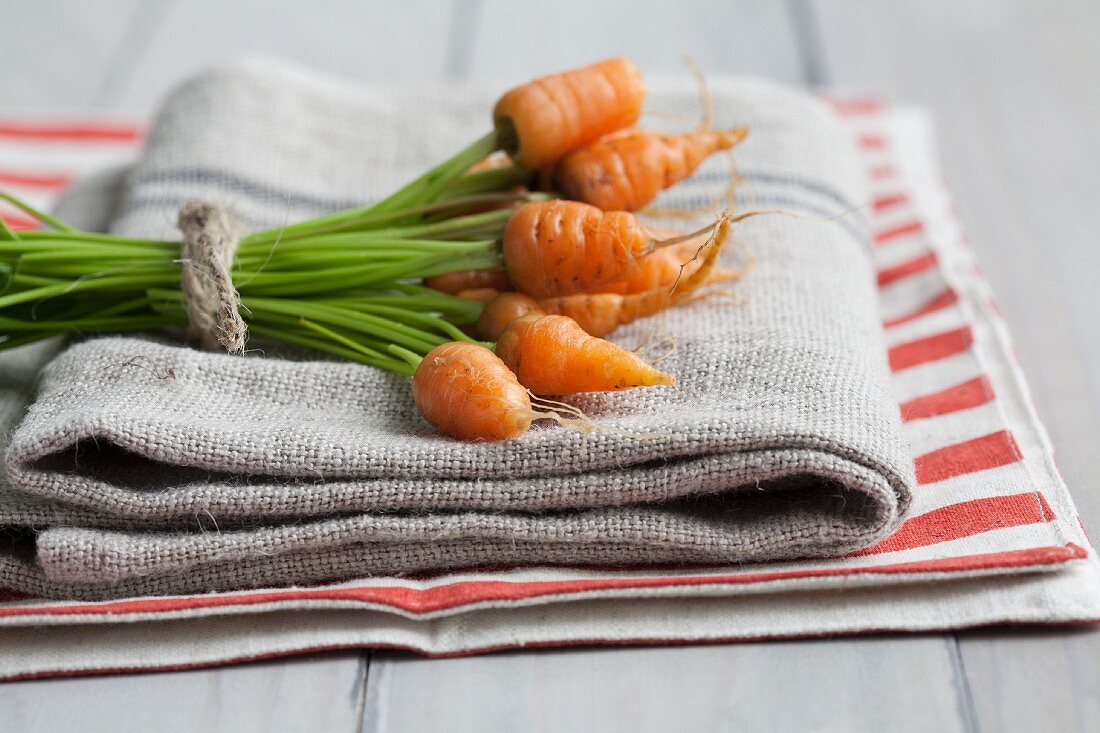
(206, 254)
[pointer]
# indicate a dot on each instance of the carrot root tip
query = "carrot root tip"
(657, 351)
(575, 419)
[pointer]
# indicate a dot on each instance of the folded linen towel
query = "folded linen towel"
(150, 469)
(992, 535)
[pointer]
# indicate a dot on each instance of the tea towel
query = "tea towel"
(150, 468)
(991, 536)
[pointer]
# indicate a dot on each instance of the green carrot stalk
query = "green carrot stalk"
(40, 215)
(425, 188)
(343, 283)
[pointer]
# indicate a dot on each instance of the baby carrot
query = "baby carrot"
(559, 247)
(601, 313)
(540, 122)
(465, 391)
(661, 268)
(552, 355)
(625, 172)
(453, 282)
(502, 310)
(479, 295)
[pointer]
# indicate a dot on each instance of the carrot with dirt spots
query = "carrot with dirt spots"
(601, 313)
(663, 267)
(554, 248)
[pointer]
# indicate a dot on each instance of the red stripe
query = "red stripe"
(930, 348)
(966, 519)
(872, 141)
(973, 393)
(995, 308)
(969, 456)
(885, 202)
(467, 592)
(1047, 555)
(946, 299)
(855, 105)
(901, 230)
(34, 180)
(916, 265)
(19, 221)
(87, 132)
(880, 172)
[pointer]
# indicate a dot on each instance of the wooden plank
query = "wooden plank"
(321, 693)
(895, 684)
(382, 43)
(517, 40)
(1033, 679)
(55, 54)
(1012, 85)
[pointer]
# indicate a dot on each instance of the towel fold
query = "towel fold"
(150, 468)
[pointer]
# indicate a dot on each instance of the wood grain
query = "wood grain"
(322, 693)
(895, 684)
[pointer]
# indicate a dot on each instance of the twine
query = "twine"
(206, 253)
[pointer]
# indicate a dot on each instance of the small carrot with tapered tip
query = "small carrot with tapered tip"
(552, 355)
(625, 172)
(467, 392)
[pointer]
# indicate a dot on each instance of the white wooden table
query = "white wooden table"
(1014, 87)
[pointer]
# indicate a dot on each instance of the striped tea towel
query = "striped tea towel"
(992, 536)
(152, 469)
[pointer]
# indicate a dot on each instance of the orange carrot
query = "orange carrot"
(480, 295)
(601, 313)
(542, 121)
(665, 265)
(502, 310)
(625, 172)
(467, 392)
(552, 355)
(452, 283)
(559, 247)
(661, 268)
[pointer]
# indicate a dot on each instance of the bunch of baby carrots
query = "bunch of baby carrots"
(490, 279)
